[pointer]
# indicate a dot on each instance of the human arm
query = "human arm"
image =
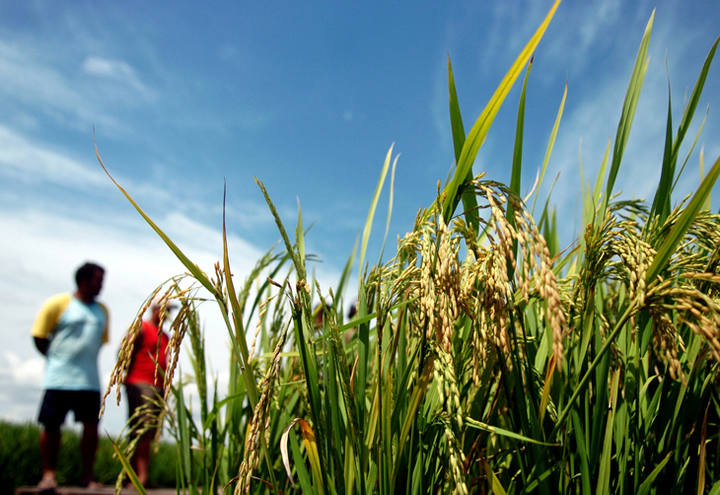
(46, 320)
(42, 345)
(106, 327)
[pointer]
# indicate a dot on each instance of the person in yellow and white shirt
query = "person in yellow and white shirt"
(69, 330)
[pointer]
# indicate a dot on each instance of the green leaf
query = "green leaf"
(371, 211)
(550, 146)
(191, 267)
(390, 208)
(683, 223)
(661, 203)
(458, 133)
(495, 485)
(628, 111)
(299, 266)
(506, 433)
(478, 133)
(581, 453)
(125, 462)
(647, 484)
(516, 175)
(346, 272)
(597, 190)
(300, 238)
(603, 484)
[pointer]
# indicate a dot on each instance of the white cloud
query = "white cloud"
(116, 70)
(30, 79)
(604, 16)
(33, 163)
(28, 161)
(24, 372)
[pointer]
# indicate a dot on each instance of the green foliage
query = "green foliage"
(483, 357)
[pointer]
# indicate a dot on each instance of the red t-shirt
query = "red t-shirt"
(147, 353)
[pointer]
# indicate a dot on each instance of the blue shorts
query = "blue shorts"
(85, 405)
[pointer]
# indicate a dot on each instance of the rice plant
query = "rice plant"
(484, 357)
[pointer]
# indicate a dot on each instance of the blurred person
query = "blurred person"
(320, 314)
(144, 385)
(69, 331)
(352, 312)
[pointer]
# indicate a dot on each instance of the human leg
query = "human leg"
(141, 458)
(142, 414)
(49, 450)
(87, 408)
(88, 447)
(53, 410)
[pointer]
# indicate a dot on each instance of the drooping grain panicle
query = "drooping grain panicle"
(260, 421)
(163, 294)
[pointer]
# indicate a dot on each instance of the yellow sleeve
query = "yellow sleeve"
(106, 330)
(49, 315)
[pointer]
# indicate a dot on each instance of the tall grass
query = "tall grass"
(483, 357)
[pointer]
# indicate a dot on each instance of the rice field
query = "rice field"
(484, 356)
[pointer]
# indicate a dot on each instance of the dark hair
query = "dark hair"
(86, 272)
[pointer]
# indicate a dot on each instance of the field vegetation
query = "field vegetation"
(22, 466)
(484, 357)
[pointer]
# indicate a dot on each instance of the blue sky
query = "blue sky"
(307, 97)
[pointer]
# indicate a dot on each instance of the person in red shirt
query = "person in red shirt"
(144, 386)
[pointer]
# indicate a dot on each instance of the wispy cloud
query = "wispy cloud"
(116, 70)
(35, 82)
(29, 161)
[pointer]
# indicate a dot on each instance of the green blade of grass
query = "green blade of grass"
(391, 193)
(495, 486)
(690, 150)
(516, 174)
(125, 462)
(347, 269)
(506, 433)
(550, 146)
(479, 130)
(191, 267)
(300, 237)
(599, 180)
(373, 206)
(603, 481)
(701, 159)
(299, 266)
(683, 223)
(647, 484)
(628, 111)
(458, 133)
(661, 203)
(582, 453)
(456, 123)
(239, 341)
